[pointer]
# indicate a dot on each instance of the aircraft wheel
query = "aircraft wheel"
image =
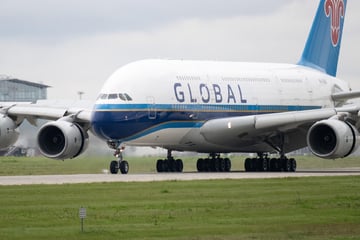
(179, 165)
(114, 167)
(222, 165)
(274, 165)
(287, 165)
(216, 162)
(293, 165)
(171, 165)
(227, 164)
(200, 165)
(247, 165)
(124, 167)
(159, 165)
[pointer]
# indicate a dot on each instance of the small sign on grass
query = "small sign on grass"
(82, 216)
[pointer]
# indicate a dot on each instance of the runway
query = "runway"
(155, 177)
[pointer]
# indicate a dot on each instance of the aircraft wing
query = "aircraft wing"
(32, 112)
(341, 96)
(266, 127)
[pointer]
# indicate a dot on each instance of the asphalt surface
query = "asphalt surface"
(154, 177)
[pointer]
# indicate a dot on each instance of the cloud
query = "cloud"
(84, 60)
(57, 20)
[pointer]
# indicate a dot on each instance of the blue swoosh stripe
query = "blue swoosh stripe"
(164, 126)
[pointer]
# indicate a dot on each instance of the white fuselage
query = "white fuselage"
(165, 102)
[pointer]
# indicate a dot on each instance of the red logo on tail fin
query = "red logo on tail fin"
(335, 9)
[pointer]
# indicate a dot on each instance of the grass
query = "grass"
(86, 164)
(290, 208)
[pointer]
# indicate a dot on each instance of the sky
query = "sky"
(75, 45)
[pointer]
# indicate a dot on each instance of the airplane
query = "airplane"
(213, 108)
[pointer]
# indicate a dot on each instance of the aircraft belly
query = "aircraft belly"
(194, 141)
(164, 137)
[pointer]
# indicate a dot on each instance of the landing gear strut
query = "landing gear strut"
(169, 164)
(214, 163)
(120, 164)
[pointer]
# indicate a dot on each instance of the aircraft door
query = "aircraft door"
(151, 107)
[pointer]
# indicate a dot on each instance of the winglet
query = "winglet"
(323, 44)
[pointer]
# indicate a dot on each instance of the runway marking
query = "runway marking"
(152, 177)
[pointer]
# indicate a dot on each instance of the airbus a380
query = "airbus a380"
(213, 108)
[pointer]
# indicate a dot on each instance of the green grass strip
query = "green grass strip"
(290, 208)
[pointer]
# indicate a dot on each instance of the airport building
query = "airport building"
(16, 90)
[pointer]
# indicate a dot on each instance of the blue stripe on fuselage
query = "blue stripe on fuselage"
(127, 122)
(202, 107)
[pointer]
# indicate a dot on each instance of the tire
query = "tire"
(124, 167)
(171, 165)
(253, 165)
(227, 164)
(216, 162)
(165, 166)
(286, 165)
(114, 167)
(200, 165)
(222, 165)
(159, 166)
(293, 165)
(247, 165)
(274, 165)
(179, 165)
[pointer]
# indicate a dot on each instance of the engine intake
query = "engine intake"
(62, 140)
(332, 139)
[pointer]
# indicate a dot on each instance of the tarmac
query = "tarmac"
(155, 177)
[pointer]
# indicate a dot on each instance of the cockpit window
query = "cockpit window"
(128, 97)
(103, 96)
(122, 97)
(113, 96)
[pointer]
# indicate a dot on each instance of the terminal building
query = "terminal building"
(16, 90)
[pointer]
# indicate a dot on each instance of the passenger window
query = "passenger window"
(103, 96)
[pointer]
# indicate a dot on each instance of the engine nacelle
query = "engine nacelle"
(8, 134)
(332, 139)
(62, 139)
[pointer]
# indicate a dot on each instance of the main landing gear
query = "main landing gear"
(169, 164)
(120, 164)
(264, 164)
(214, 163)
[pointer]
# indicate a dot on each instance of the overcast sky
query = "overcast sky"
(76, 45)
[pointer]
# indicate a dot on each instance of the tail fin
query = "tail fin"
(323, 44)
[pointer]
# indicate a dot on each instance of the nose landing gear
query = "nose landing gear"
(120, 164)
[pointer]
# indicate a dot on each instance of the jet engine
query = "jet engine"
(332, 139)
(62, 139)
(8, 134)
